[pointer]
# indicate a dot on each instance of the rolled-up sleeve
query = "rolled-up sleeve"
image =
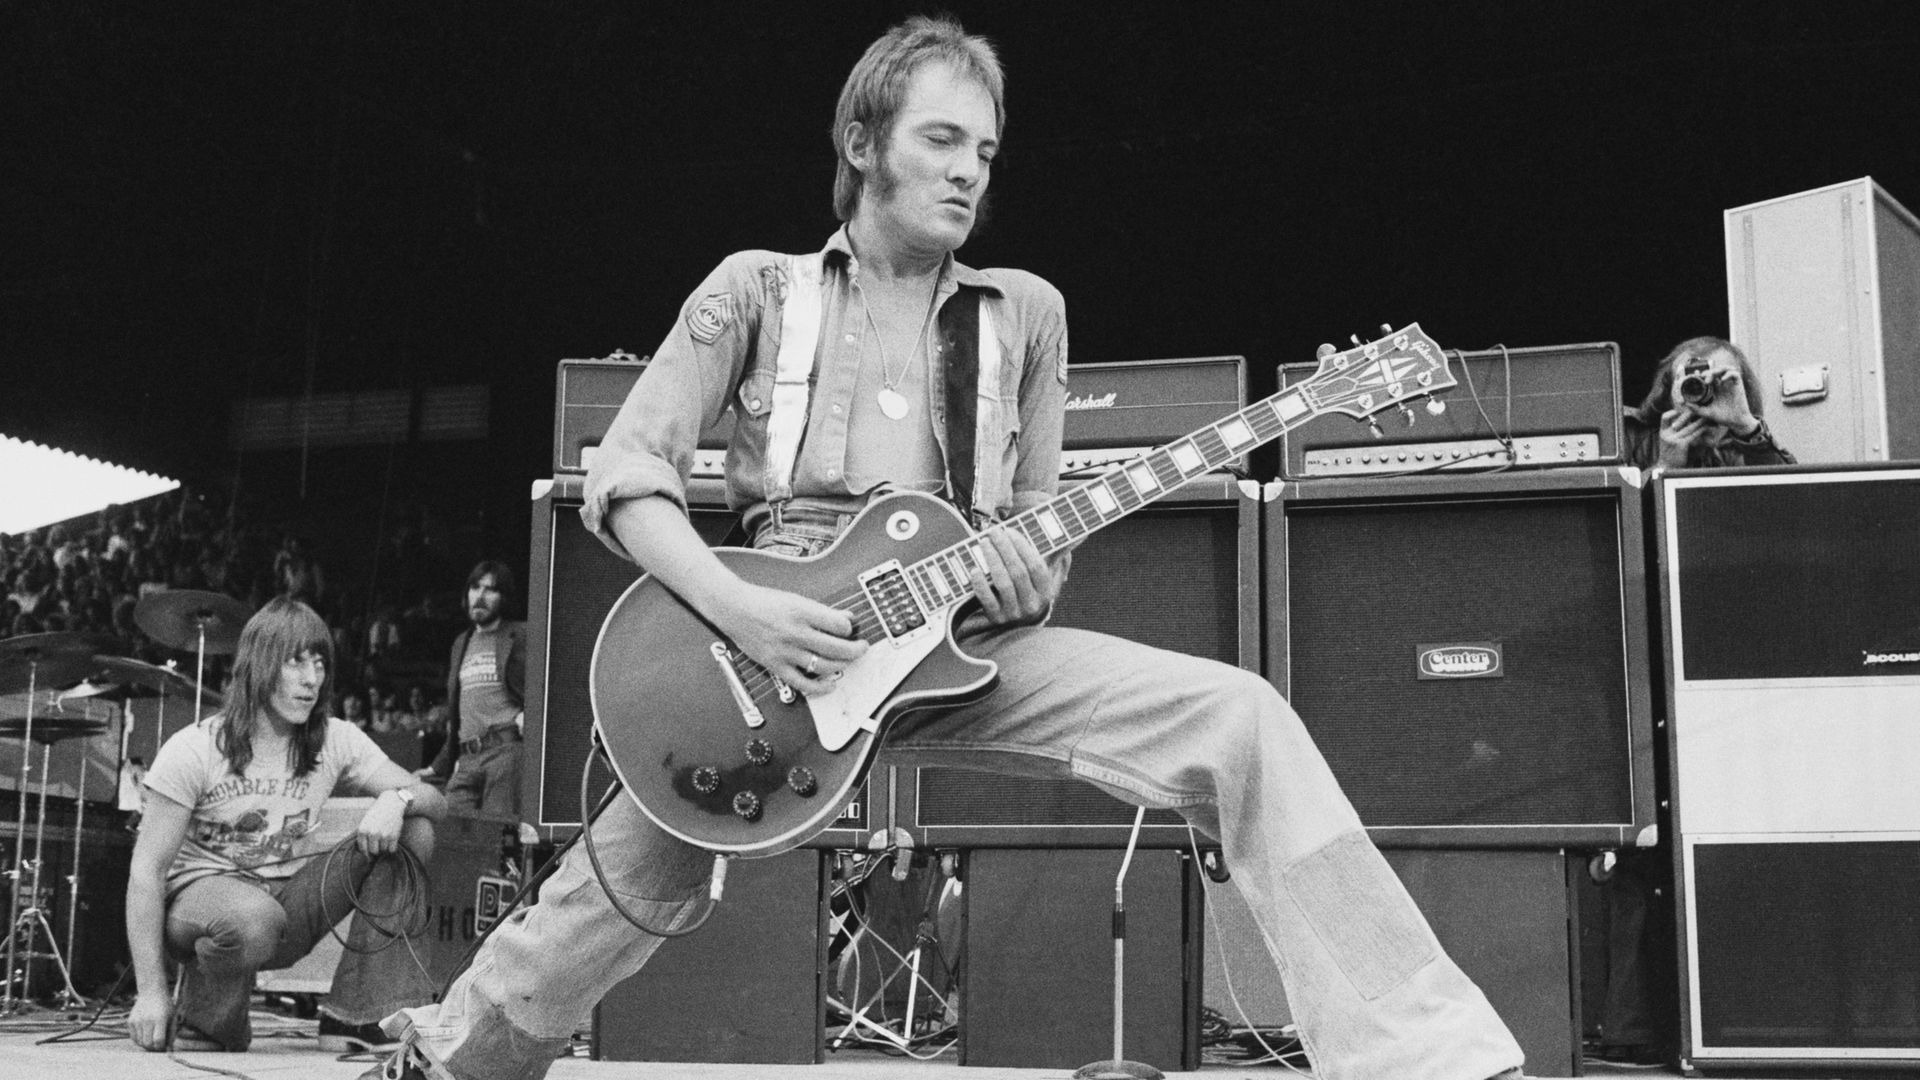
(649, 450)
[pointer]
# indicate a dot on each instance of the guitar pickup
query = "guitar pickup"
(893, 602)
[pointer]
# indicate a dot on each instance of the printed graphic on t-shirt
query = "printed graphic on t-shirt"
(255, 838)
(477, 669)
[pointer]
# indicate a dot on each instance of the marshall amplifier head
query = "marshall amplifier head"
(1513, 408)
(1117, 410)
(587, 394)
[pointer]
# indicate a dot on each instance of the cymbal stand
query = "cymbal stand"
(199, 666)
(72, 999)
(33, 919)
(20, 837)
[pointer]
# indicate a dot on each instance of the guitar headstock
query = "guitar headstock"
(1367, 378)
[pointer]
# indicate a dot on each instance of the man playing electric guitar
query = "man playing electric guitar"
(882, 364)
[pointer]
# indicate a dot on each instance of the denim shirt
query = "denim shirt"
(721, 354)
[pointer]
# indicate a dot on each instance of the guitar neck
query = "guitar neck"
(1079, 512)
(1359, 382)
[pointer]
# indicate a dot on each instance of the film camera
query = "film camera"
(1699, 383)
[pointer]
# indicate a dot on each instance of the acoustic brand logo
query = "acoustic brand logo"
(1889, 658)
(1460, 660)
(1088, 401)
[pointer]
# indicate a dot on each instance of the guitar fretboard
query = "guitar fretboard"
(944, 578)
(1360, 381)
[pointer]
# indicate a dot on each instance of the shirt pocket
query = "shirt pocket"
(754, 399)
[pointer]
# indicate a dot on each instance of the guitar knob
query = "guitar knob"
(1435, 406)
(1325, 350)
(759, 752)
(747, 805)
(706, 779)
(800, 779)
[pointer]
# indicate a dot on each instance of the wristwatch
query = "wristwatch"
(406, 797)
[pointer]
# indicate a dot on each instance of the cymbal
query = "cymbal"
(174, 618)
(122, 677)
(52, 730)
(48, 660)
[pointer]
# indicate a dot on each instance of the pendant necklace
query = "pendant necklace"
(893, 403)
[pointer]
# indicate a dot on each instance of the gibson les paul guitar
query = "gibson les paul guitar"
(723, 755)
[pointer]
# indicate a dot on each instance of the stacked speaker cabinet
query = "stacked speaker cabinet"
(1470, 653)
(1823, 293)
(1029, 998)
(1791, 610)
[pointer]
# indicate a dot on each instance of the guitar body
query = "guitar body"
(671, 717)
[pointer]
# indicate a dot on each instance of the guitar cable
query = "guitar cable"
(1505, 454)
(716, 884)
(546, 870)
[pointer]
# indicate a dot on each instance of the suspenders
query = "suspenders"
(793, 368)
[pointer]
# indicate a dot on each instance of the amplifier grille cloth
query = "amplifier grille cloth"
(1809, 945)
(1548, 743)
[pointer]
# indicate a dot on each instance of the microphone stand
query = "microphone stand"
(1119, 1068)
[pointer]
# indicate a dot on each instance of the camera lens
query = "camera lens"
(1697, 384)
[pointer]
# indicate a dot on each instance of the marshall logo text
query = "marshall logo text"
(1088, 401)
(1460, 660)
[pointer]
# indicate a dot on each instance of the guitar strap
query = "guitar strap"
(972, 433)
(792, 374)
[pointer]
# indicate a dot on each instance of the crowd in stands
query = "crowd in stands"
(89, 575)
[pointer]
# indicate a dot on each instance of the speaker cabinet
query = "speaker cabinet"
(575, 582)
(1037, 967)
(1200, 596)
(1791, 610)
(1823, 293)
(1503, 916)
(1470, 653)
(749, 987)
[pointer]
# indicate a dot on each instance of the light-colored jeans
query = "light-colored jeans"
(1375, 996)
(227, 928)
(487, 781)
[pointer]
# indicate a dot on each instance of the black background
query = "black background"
(206, 201)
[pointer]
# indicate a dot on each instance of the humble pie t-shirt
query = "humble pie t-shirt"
(252, 823)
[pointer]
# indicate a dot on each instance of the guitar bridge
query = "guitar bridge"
(893, 602)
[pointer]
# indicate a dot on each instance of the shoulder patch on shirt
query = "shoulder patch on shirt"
(710, 316)
(773, 278)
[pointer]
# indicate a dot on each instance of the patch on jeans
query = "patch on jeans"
(1348, 876)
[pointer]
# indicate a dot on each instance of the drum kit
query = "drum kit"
(63, 675)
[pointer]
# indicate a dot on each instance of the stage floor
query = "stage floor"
(285, 1049)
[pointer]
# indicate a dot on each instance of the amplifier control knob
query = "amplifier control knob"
(759, 752)
(747, 805)
(706, 779)
(800, 779)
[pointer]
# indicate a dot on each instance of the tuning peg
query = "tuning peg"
(1435, 406)
(1407, 412)
(1374, 426)
(1386, 330)
(1325, 350)
(1355, 338)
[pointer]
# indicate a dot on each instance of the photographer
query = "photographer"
(1703, 412)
